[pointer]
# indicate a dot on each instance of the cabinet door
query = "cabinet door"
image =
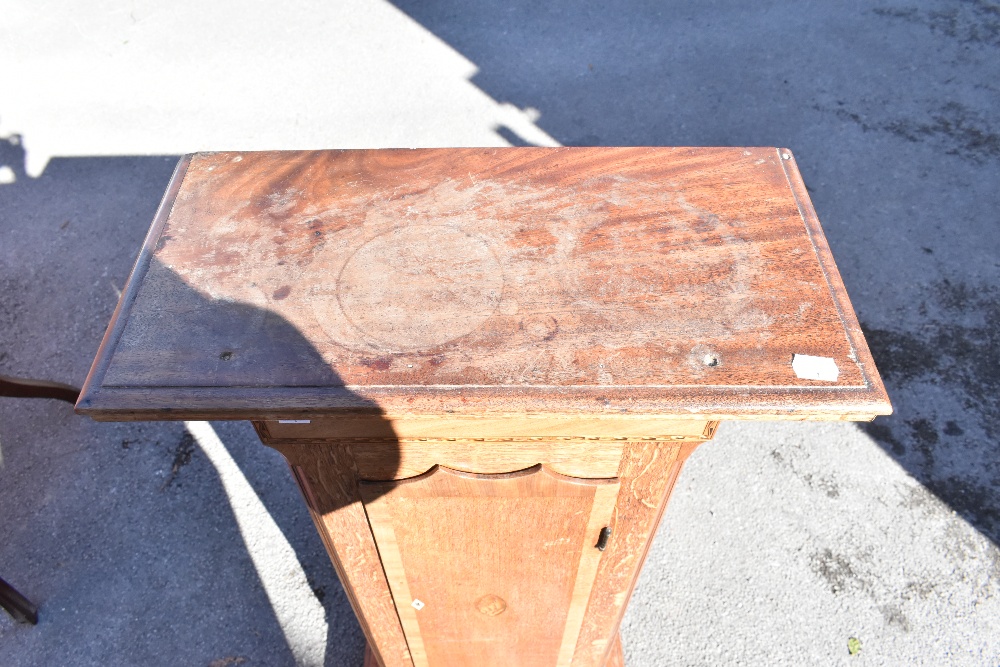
(490, 570)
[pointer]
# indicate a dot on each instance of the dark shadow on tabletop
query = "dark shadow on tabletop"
(76, 229)
(248, 350)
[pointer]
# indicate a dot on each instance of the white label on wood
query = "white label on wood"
(809, 367)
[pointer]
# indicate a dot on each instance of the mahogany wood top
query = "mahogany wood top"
(573, 281)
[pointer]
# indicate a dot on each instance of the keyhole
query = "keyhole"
(602, 541)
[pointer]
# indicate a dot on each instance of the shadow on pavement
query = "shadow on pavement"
(126, 526)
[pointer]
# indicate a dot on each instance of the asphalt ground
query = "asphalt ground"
(166, 544)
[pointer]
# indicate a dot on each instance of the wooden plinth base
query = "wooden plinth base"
(615, 659)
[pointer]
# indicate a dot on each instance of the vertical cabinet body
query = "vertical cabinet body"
(487, 569)
(490, 553)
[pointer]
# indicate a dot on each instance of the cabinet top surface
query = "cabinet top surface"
(612, 281)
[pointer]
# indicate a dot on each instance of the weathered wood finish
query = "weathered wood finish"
(327, 476)
(598, 281)
(382, 457)
(647, 473)
(616, 658)
(329, 471)
(507, 428)
(502, 564)
(377, 461)
(605, 498)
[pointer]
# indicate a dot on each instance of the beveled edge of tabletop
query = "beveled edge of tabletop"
(745, 403)
(708, 402)
(92, 385)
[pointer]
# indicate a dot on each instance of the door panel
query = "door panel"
(490, 570)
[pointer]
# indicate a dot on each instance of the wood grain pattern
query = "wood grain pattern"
(856, 338)
(501, 565)
(215, 403)
(424, 428)
(592, 281)
(647, 474)
(600, 517)
(381, 520)
(379, 461)
(328, 479)
(370, 660)
(616, 658)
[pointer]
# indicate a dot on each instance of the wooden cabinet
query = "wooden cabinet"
(486, 569)
(484, 364)
(498, 539)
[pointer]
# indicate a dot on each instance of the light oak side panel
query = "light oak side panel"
(380, 518)
(648, 473)
(327, 476)
(616, 657)
(600, 515)
(499, 563)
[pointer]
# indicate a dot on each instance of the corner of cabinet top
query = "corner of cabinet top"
(601, 284)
